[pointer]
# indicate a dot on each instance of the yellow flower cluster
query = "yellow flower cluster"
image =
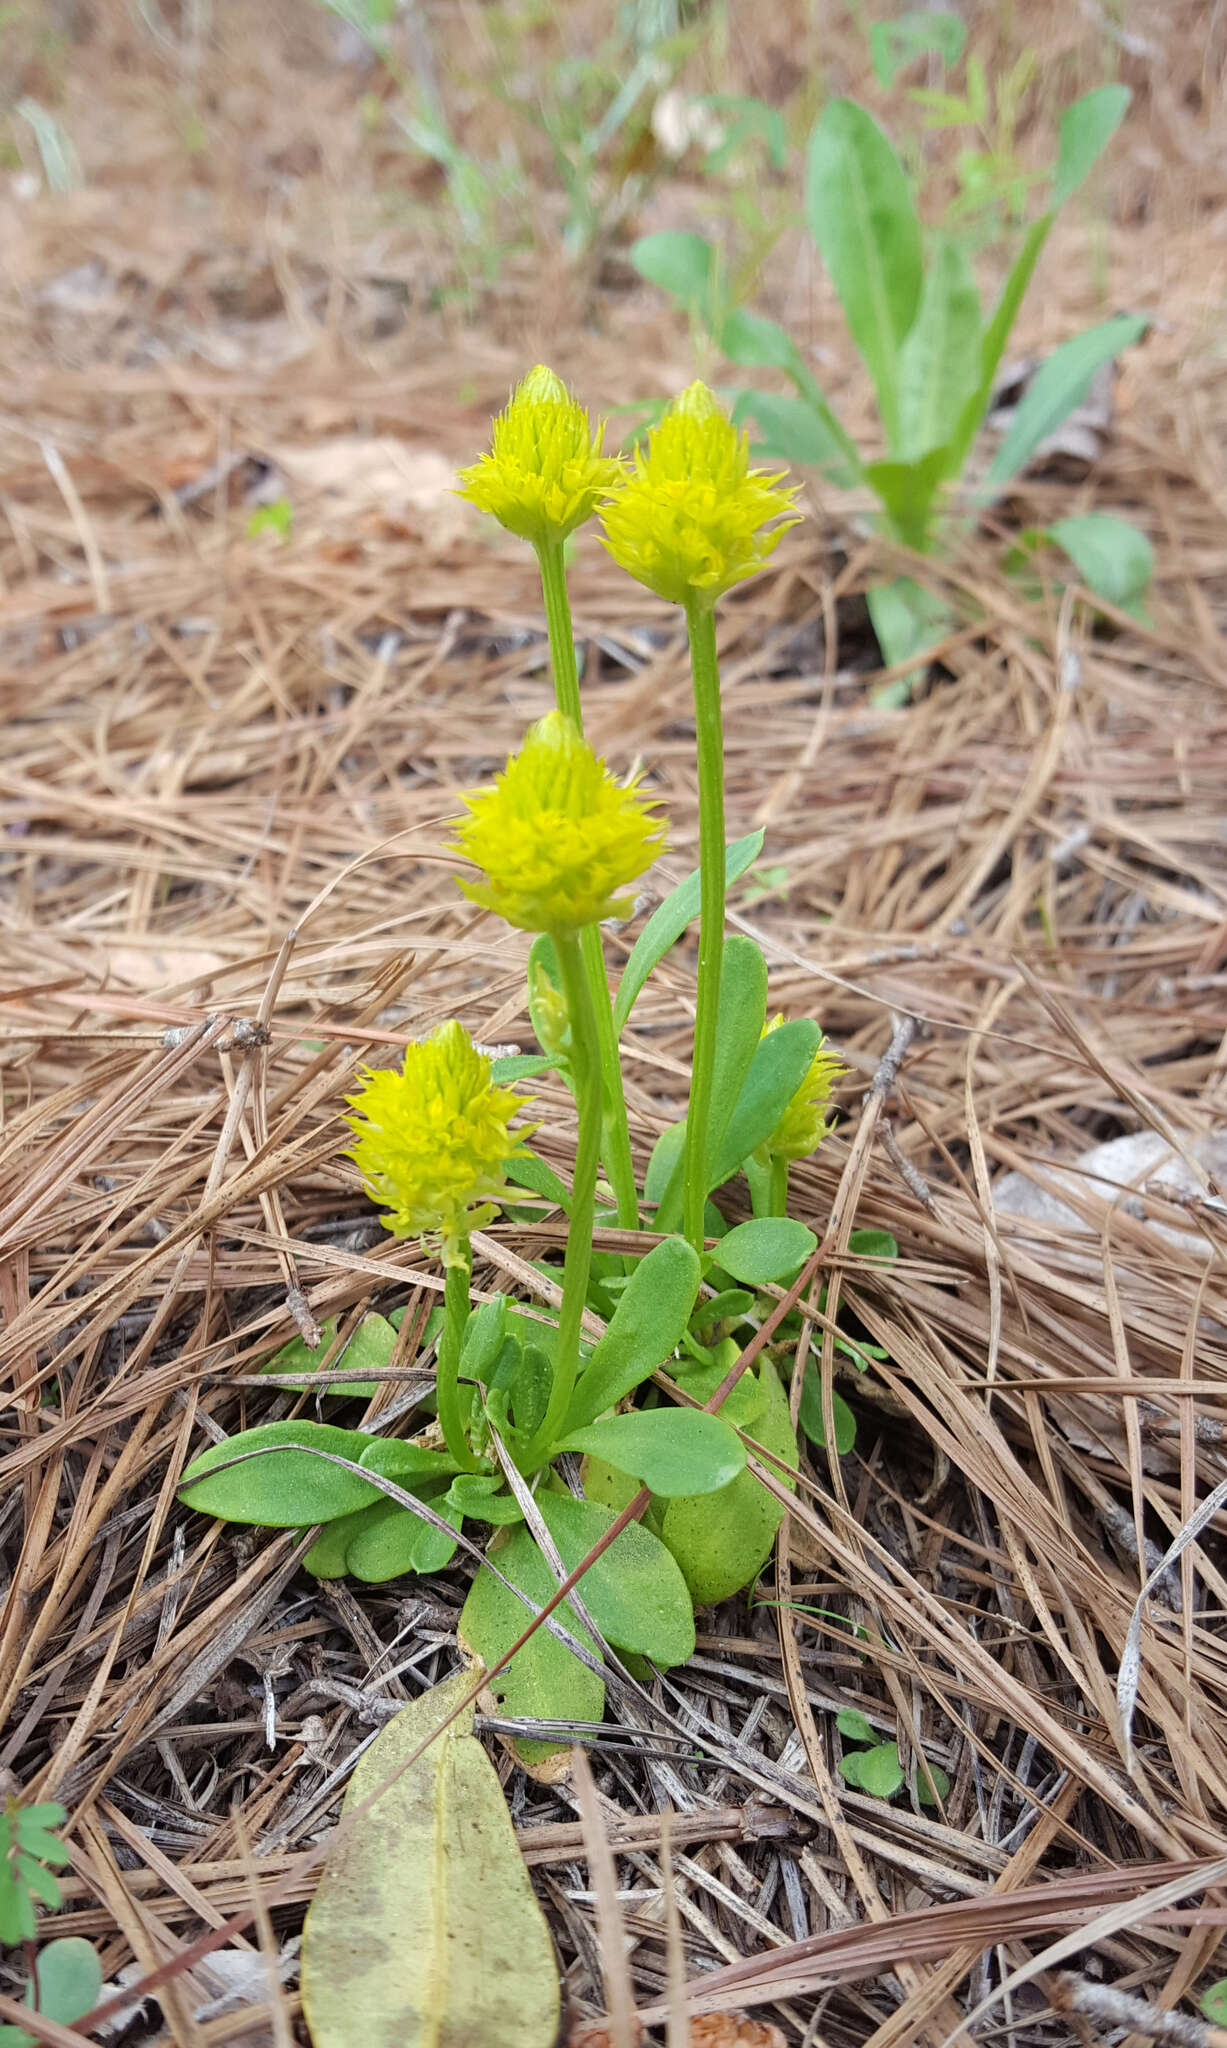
(431, 1141)
(692, 518)
(559, 839)
(545, 473)
(804, 1125)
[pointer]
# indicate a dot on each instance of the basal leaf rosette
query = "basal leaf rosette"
(560, 840)
(431, 1140)
(545, 473)
(691, 518)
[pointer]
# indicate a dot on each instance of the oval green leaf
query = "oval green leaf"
(768, 1249)
(722, 1540)
(672, 1450)
(284, 1486)
(879, 1771)
(780, 1064)
(634, 1590)
(543, 1681)
(932, 1783)
(811, 1413)
(394, 1540)
(645, 1329)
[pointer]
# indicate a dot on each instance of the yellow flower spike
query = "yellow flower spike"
(692, 518)
(559, 839)
(804, 1125)
(430, 1141)
(545, 473)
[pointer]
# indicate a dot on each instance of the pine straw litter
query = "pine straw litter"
(227, 764)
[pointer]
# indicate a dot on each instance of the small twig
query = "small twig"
(911, 1175)
(1112, 2008)
(886, 1073)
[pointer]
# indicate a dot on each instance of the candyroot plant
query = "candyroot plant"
(551, 1415)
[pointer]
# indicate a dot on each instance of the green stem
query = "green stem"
(706, 677)
(586, 1068)
(779, 1186)
(558, 626)
(615, 1128)
(447, 1389)
(616, 1139)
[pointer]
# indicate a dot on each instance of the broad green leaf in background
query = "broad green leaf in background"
(286, 1487)
(752, 341)
(69, 1984)
(859, 209)
(907, 619)
(672, 1450)
(932, 1783)
(1060, 384)
(684, 265)
(1085, 132)
(424, 1931)
(1112, 557)
(909, 493)
(854, 1725)
(645, 1329)
(996, 334)
(797, 430)
(770, 1248)
(670, 919)
(893, 45)
(939, 362)
(369, 1349)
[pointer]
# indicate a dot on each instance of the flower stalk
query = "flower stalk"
(447, 1387)
(710, 739)
(586, 1066)
(616, 1139)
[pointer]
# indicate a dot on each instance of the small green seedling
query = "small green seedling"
(874, 1766)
